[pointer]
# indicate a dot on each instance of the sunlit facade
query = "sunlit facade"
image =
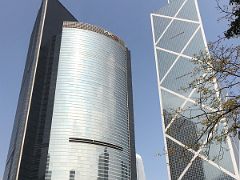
(140, 168)
(75, 110)
(90, 125)
(177, 36)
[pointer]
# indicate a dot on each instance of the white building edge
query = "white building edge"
(140, 168)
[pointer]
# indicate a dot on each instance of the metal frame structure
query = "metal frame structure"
(159, 17)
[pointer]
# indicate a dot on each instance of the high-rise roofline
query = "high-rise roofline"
(90, 27)
(79, 82)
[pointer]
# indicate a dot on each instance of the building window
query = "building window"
(72, 175)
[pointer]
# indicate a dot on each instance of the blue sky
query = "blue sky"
(130, 20)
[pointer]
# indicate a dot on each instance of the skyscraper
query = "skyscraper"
(140, 168)
(75, 112)
(178, 35)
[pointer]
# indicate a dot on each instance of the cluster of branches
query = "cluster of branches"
(216, 114)
(218, 88)
(217, 85)
(231, 13)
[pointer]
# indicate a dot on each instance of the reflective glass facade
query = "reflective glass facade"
(75, 115)
(178, 35)
(91, 103)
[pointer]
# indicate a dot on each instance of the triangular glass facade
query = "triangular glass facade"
(178, 36)
(201, 169)
(179, 162)
(189, 11)
(171, 10)
(177, 79)
(160, 25)
(165, 61)
(196, 45)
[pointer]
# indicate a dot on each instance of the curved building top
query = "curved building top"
(86, 26)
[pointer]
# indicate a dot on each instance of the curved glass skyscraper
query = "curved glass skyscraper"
(75, 113)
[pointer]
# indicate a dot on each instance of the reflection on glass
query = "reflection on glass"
(201, 169)
(184, 131)
(48, 173)
(179, 158)
(124, 171)
(103, 165)
(72, 175)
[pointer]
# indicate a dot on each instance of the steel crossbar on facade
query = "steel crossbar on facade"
(186, 98)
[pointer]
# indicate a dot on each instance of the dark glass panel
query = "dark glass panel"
(179, 158)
